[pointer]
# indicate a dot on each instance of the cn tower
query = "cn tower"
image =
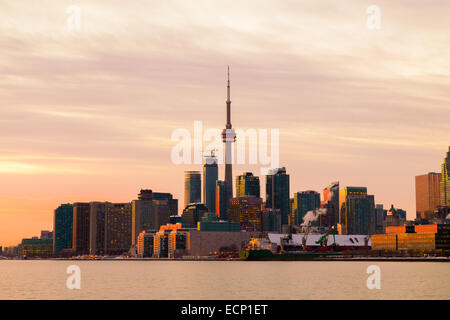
(228, 137)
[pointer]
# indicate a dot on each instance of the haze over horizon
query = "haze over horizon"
(87, 115)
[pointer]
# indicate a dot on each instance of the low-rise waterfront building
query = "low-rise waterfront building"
(161, 244)
(171, 241)
(35, 247)
(204, 243)
(11, 252)
(145, 242)
(175, 241)
(179, 243)
(418, 237)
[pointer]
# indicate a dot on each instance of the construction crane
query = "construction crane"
(323, 239)
(211, 158)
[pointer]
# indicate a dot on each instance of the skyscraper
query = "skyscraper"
(62, 226)
(192, 187)
(110, 227)
(151, 210)
(331, 202)
(168, 200)
(142, 216)
(428, 196)
(228, 137)
(222, 203)
(247, 185)
(81, 228)
(445, 181)
(303, 202)
(277, 193)
(271, 220)
(117, 228)
(97, 214)
(210, 176)
(164, 208)
(380, 217)
(247, 211)
(357, 210)
(192, 214)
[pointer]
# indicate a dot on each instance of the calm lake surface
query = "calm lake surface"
(231, 280)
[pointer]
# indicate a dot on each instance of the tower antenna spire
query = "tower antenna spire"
(228, 101)
(228, 85)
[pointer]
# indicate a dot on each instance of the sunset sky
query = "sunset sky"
(88, 114)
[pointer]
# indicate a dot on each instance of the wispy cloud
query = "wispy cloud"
(11, 167)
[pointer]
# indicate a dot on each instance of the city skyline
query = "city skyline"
(104, 134)
(320, 199)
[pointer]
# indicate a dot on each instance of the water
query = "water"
(230, 280)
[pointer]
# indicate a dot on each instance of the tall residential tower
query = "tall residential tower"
(357, 211)
(62, 230)
(331, 203)
(428, 196)
(277, 193)
(192, 187)
(303, 202)
(247, 185)
(210, 176)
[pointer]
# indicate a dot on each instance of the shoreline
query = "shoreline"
(349, 259)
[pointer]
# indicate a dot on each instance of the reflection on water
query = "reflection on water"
(223, 280)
